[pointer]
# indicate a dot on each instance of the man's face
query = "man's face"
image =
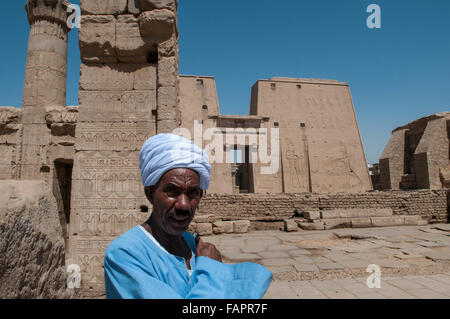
(175, 199)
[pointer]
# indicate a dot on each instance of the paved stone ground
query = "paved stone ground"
(414, 261)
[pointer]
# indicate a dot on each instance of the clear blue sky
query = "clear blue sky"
(397, 74)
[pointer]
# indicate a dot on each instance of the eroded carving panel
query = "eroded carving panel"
(113, 136)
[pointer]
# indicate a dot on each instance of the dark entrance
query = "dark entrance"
(62, 186)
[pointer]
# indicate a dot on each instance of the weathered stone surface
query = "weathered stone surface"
(158, 24)
(167, 96)
(130, 46)
(167, 72)
(169, 47)
(387, 221)
(421, 165)
(117, 106)
(361, 222)
(444, 175)
(205, 218)
(312, 215)
(133, 7)
(39, 10)
(60, 114)
(290, 225)
(97, 38)
(329, 214)
(241, 226)
(204, 229)
(356, 213)
(157, 4)
(117, 77)
(113, 136)
(32, 257)
(312, 226)
(337, 223)
(9, 114)
(92, 7)
(415, 221)
(223, 227)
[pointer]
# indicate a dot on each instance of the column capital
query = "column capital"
(50, 10)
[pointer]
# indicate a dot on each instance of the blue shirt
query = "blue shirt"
(137, 267)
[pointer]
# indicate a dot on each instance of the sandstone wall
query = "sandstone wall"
(32, 251)
(10, 142)
(431, 204)
(128, 93)
(417, 154)
(321, 147)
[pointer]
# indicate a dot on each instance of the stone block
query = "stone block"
(349, 213)
(337, 223)
(312, 226)
(223, 227)
(378, 212)
(290, 225)
(117, 77)
(168, 72)
(117, 106)
(241, 226)
(205, 218)
(415, 220)
(134, 7)
(167, 96)
(10, 134)
(361, 222)
(63, 130)
(167, 126)
(312, 215)
(113, 136)
(145, 77)
(97, 39)
(94, 7)
(148, 5)
(158, 24)
(10, 114)
(204, 229)
(130, 46)
(387, 221)
(169, 47)
(167, 113)
(329, 214)
(444, 175)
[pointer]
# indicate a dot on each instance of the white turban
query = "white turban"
(164, 152)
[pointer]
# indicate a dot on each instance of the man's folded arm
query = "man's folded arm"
(127, 278)
(215, 280)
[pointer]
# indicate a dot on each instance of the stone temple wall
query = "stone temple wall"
(128, 93)
(268, 210)
(10, 142)
(417, 155)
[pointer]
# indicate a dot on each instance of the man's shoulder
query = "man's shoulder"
(125, 243)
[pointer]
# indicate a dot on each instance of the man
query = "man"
(160, 259)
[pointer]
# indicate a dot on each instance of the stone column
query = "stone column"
(45, 81)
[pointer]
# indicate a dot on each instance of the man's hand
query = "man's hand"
(207, 250)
